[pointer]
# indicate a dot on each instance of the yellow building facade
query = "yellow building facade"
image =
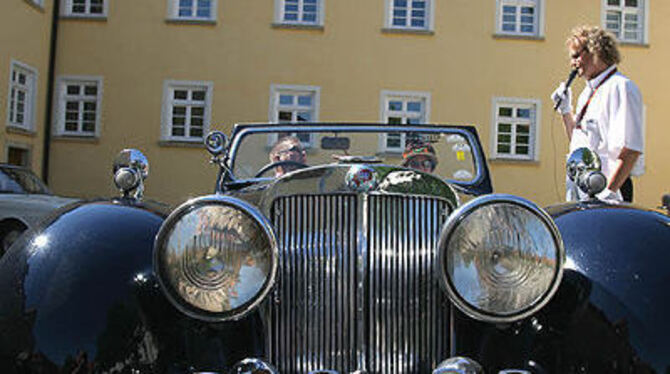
(157, 75)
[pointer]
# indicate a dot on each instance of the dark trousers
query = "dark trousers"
(627, 190)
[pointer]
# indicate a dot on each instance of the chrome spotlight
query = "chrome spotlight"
(130, 170)
(583, 168)
(216, 142)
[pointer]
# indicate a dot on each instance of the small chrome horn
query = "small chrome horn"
(216, 142)
(130, 170)
(583, 168)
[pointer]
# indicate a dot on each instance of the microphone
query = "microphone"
(571, 77)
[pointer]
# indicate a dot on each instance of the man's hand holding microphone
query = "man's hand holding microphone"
(562, 96)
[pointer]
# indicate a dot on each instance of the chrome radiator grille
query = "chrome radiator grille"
(356, 286)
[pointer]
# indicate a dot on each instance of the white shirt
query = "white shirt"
(613, 120)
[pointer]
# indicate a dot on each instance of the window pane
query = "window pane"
(631, 3)
(199, 95)
(180, 94)
(400, 3)
(90, 90)
(419, 4)
(522, 139)
(178, 121)
(395, 105)
(90, 106)
(72, 105)
(71, 116)
(504, 127)
(522, 129)
(523, 113)
(503, 148)
(393, 140)
(417, 23)
(286, 99)
(70, 126)
(285, 116)
(304, 116)
(89, 116)
(414, 106)
(522, 149)
(177, 131)
(502, 138)
(73, 90)
(505, 111)
(613, 2)
(305, 100)
(394, 121)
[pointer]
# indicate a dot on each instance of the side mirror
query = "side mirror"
(216, 142)
(583, 168)
(130, 170)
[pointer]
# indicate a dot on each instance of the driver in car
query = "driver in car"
(419, 155)
(290, 150)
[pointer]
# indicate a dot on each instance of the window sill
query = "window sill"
(90, 139)
(84, 17)
(518, 37)
(11, 129)
(35, 5)
(519, 161)
(634, 44)
(190, 21)
(393, 30)
(181, 143)
(297, 26)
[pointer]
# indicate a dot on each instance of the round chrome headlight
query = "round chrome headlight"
(500, 257)
(216, 258)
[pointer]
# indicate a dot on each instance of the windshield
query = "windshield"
(15, 180)
(272, 151)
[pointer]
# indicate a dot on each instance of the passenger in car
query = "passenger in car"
(419, 155)
(290, 152)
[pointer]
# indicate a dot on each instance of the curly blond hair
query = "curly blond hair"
(596, 41)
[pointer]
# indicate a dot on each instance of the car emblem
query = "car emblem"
(361, 178)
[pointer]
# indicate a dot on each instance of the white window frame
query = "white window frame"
(280, 12)
(535, 105)
(385, 97)
(30, 101)
(169, 86)
(429, 18)
(538, 23)
(61, 100)
(643, 16)
(66, 9)
(24, 147)
(173, 11)
(273, 114)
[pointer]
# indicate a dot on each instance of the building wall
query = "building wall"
(25, 34)
(462, 64)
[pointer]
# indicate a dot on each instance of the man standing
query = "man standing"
(608, 119)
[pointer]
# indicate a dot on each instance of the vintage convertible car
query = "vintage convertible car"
(323, 248)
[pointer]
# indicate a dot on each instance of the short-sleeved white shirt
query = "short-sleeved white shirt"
(613, 120)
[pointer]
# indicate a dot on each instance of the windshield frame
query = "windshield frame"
(480, 183)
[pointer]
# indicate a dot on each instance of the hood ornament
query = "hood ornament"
(361, 178)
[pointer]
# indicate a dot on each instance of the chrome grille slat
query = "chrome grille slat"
(356, 287)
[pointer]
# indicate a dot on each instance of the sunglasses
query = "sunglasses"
(293, 149)
(423, 164)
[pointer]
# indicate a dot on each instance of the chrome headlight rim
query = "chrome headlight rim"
(457, 217)
(163, 235)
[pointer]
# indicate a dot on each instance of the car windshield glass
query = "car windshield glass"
(271, 152)
(14, 180)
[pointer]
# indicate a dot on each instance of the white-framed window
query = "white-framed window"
(21, 97)
(187, 108)
(299, 12)
(192, 10)
(520, 17)
(402, 108)
(626, 19)
(79, 105)
(515, 131)
(409, 14)
(291, 103)
(84, 8)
